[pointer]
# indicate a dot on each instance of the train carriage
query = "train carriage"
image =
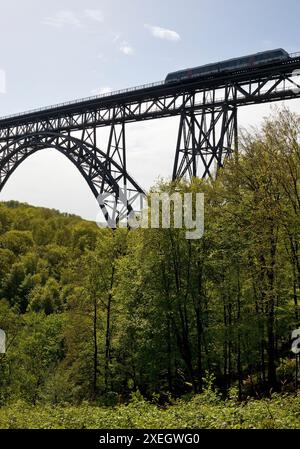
(230, 65)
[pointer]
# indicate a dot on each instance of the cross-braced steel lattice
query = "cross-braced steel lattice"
(205, 139)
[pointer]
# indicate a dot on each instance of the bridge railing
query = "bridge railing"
(82, 100)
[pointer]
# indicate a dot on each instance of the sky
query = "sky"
(51, 52)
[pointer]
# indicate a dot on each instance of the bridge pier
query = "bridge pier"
(206, 137)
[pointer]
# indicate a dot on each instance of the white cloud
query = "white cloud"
(163, 33)
(116, 38)
(94, 14)
(126, 49)
(68, 17)
(61, 18)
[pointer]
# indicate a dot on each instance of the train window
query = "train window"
(173, 78)
(277, 53)
(205, 69)
(223, 65)
(244, 61)
(231, 65)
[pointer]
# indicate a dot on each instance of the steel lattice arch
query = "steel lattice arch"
(207, 134)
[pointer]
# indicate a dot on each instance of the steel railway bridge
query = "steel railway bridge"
(207, 132)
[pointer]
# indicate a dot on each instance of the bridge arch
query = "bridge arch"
(102, 174)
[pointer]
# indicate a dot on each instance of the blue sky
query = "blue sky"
(56, 50)
(62, 50)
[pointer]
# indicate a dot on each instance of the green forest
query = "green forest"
(144, 328)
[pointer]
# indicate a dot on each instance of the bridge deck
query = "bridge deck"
(160, 89)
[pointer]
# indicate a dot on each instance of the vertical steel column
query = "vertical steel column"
(206, 138)
(116, 150)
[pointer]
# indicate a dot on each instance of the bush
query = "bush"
(279, 412)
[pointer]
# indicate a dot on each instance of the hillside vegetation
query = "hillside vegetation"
(94, 316)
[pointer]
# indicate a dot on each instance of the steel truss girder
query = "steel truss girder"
(272, 84)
